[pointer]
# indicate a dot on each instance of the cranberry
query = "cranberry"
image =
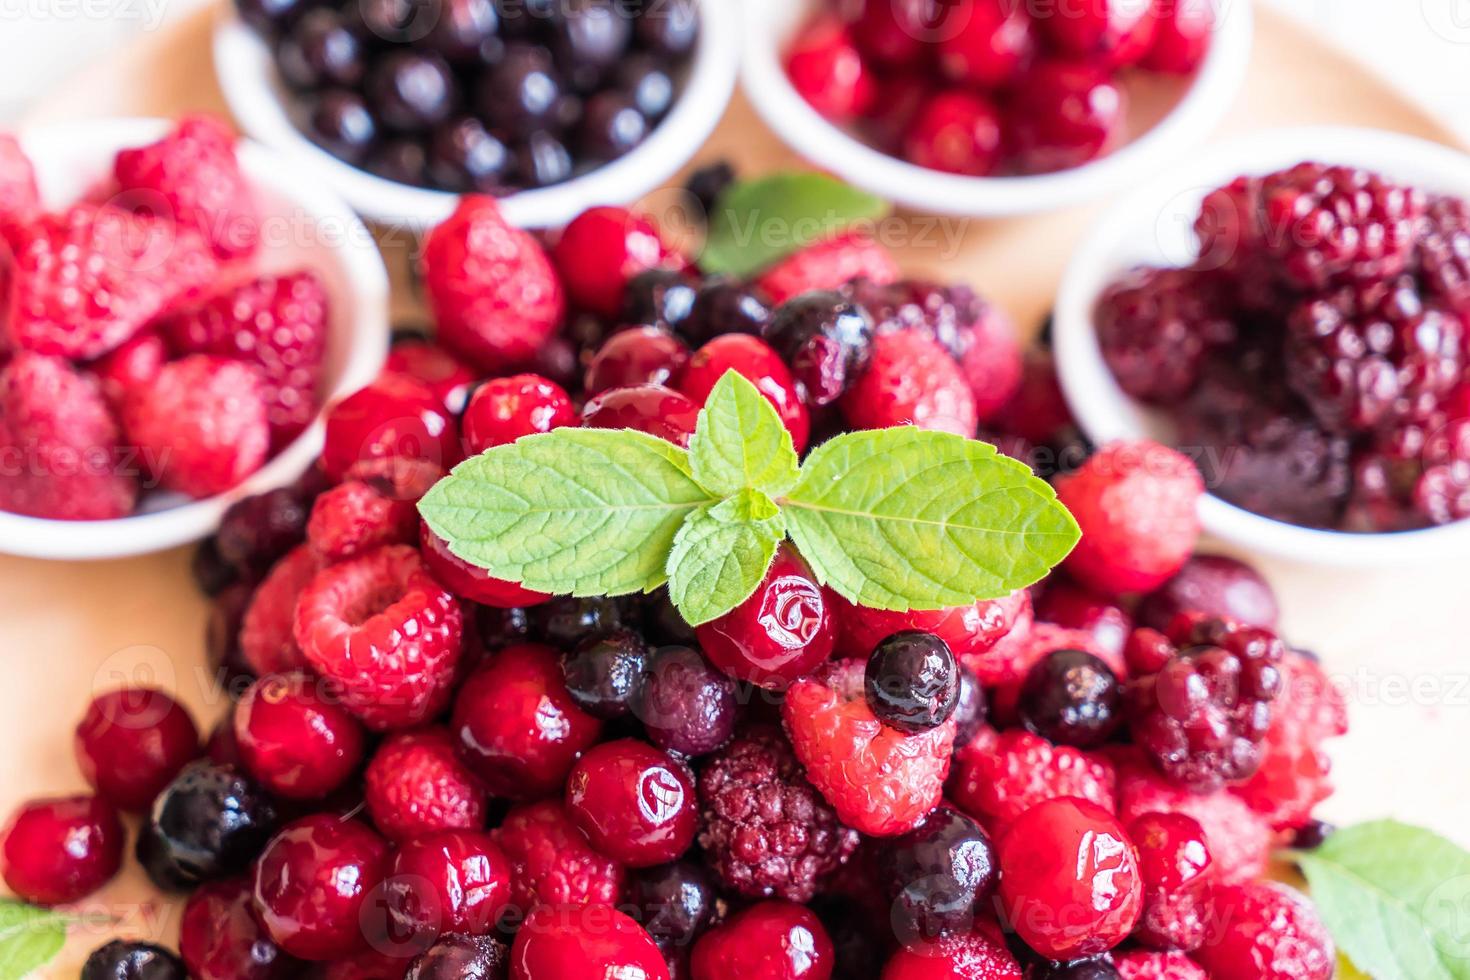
(1063, 115)
(1174, 861)
(311, 883)
(653, 409)
(132, 742)
(454, 881)
(1213, 585)
(686, 705)
(1077, 608)
(827, 341)
(966, 630)
(604, 674)
(396, 415)
(458, 957)
(1183, 36)
(674, 902)
(471, 581)
(118, 960)
(295, 738)
(782, 632)
(221, 939)
(1071, 698)
(759, 364)
(937, 875)
(418, 357)
(986, 43)
(1070, 879)
(828, 71)
(972, 954)
(956, 132)
(591, 942)
(518, 728)
(1111, 33)
(601, 250)
(912, 681)
(636, 356)
(633, 802)
(209, 823)
(893, 32)
(771, 941)
(60, 850)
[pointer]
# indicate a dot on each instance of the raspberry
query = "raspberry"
(59, 441)
(1270, 932)
(135, 363)
(828, 264)
(192, 177)
(966, 630)
(986, 43)
(504, 409)
(828, 71)
(1312, 225)
(956, 132)
(1140, 965)
(911, 380)
(267, 640)
(279, 325)
(969, 957)
(1001, 775)
(1156, 326)
(880, 781)
(415, 785)
(201, 425)
(770, 939)
(1135, 503)
(355, 517)
(601, 250)
(551, 861)
(764, 829)
(19, 196)
(132, 742)
(492, 289)
(380, 626)
(60, 850)
(1444, 250)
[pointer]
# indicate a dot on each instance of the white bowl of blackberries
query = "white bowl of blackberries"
(550, 105)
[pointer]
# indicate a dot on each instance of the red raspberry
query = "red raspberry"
(1185, 29)
(911, 380)
(966, 630)
(975, 956)
(1111, 33)
(879, 780)
(1174, 858)
(1070, 879)
(220, 937)
(394, 416)
(1141, 965)
(759, 364)
(551, 861)
(956, 132)
(294, 739)
(493, 291)
(1063, 115)
(19, 196)
(455, 881)
(986, 43)
(61, 850)
(1268, 932)
(828, 71)
(828, 264)
(769, 941)
(449, 377)
(1156, 326)
(137, 362)
(636, 356)
(416, 785)
(504, 409)
(59, 443)
(267, 634)
(279, 325)
(764, 829)
(132, 742)
(1294, 774)
(1001, 775)
(380, 626)
(191, 176)
(201, 425)
(471, 581)
(601, 250)
(355, 517)
(653, 409)
(588, 943)
(1136, 504)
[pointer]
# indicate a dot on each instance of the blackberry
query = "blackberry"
(1444, 251)
(605, 673)
(460, 957)
(1071, 698)
(826, 339)
(118, 960)
(764, 829)
(1156, 326)
(912, 681)
(210, 822)
(1202, 716)
(937, 876)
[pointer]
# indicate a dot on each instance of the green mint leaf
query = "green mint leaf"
(903, 518)
(30, 937)
(1394, 897)
(741, 442)
(572, 511)
(721, 554)
(757, 223)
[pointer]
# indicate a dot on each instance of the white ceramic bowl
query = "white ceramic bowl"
(1155, 227)
(1203, 99)
(258, 99)
(304, 225)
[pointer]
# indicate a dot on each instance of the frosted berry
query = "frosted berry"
(132, 742)
(1273, 934)
(294, 738)
(828, 264)
(634, 803)
(775, 940)
(685, 703)
(759, 364)
(911, 380)
(999, 776)
(61, 850)
(267, 640)
(973, 956)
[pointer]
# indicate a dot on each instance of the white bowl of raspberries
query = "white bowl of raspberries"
(179, 307)
(1300, 330)
(988, 108)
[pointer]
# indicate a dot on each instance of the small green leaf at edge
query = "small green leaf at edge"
(719, 557)
(30, 937)
(756, 223)
(740, 441)
(904, 518)
(1393, 896)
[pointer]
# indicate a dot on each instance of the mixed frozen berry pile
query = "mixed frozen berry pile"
(430, 773)
(141, 350)
(1316, 357)
(988, 87)
(491, 96)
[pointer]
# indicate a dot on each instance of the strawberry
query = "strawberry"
(828, 264)
(1001, 775)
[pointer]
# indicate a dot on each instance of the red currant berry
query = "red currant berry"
(132, 742)
(396, 415)
(827, 70)
(601, 250)
(449, 377)
(1183, 36)
(957, 132)
(986, 43)
(455, 881)
(1070, 879)
(221, 939)
(503, 409)
(781, 633)
(653, 409)
(636, 356)
(471, 581)
(768, 941)
(759, 364)
(633, 802)
(60, 850)
(1109, 33)
(893, 32)
(591, 942)
(294, 738)
(1063, 115)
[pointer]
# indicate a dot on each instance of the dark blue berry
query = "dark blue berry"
(604, 673)
(1071, 698)
(827, 341)
(460, 957)
(912, 681)
(659, 298)
(132, 961)
(210, 823)
(971, 710)
(1098, 969)
(937, 874)
(724, 306)
(566, 621)
(674, 902)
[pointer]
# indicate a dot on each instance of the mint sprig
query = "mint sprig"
(30, 937)
(897, 518)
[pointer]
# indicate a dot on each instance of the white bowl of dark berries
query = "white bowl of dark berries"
(177, 310)
(552, 106)
(994, 107)
(1300, 330)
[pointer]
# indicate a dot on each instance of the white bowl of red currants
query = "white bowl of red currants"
(990, 108)
(552, 107)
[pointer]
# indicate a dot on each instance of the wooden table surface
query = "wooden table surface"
(1396, 638)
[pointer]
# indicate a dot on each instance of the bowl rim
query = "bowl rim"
(253, 91)
(1209, 95)
(367, 279)
(1105, 413)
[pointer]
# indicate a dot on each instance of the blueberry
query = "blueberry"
(342, 124)
(659, 298)
(611, 127)
(937, 875)
(256, 531)
(519, 96)
(662, 622)
(826, 340)
(211, 572)
(589, 37)
(687, 705)
(543, 160)
(210, 823)
(462, 29)
(321, 50)
(1071, 698)
(1098, 969)
(709, 182)
(118, 960)
(566, 621)
(402, 161)
(464, 156)
(670, 28)
(859, 951)
(502, 627)
(674, 902)
(411, 92)
(1311, 835)
(724, 306)
(912, 681)
(648, 83)
(604, 673)
(460, 957)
